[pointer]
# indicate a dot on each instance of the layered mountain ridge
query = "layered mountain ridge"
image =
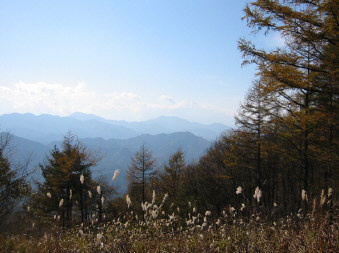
(46, 128)
(32, 137)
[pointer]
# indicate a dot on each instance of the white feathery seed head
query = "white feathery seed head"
(144, 206)
(115, 175)
(61, 203)
(322, 197)
(128, 201)
(163, 200)
(239, 190)
(165, 197)
(49, 195)
(99, 237)
(153, 197)
(257, 194)
(82, 179)
(99, 189)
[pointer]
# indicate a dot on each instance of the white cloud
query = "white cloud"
(166, 98)
(59, 99)
(42, 97)
(274, 40)
(278, 40)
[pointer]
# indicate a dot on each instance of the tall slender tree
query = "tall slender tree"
(140, 172)
(251, 120)
(172, 176)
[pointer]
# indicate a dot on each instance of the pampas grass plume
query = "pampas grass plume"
(115, 175)
(82, 179)
(61, 203)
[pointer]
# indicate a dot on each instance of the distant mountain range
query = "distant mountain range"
(117, 141)
(47, 128)
(116, 153)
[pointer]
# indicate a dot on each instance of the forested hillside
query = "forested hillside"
(114, 153)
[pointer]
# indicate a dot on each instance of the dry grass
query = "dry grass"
(160, 232)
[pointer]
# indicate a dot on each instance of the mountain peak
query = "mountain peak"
(48, 127)
(85, 116)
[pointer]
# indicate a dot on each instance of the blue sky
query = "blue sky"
(124, 59)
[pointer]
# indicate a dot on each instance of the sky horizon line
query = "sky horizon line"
(104, 118)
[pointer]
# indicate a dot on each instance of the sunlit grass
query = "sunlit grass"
(173, 231)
